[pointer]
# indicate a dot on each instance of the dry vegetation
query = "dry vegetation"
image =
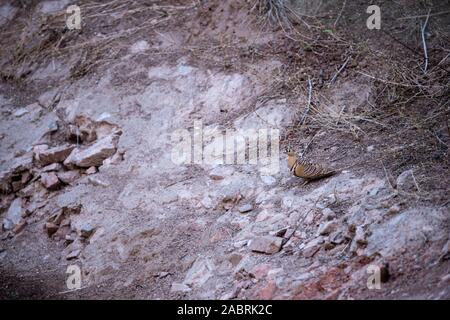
(406, 116)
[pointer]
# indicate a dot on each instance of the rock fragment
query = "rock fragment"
(245, 208)
(94, 154)
(50, 180)
(13, 215)
(327, 228)
(68, 177)
(266, 244)
(52, 155)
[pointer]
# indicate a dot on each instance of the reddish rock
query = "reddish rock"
(57, 154)
(50, 180)
(266, 244)
(267, 291)
(260, 271)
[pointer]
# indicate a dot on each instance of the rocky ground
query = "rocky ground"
(87, 177)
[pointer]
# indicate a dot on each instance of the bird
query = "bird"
(306, 170)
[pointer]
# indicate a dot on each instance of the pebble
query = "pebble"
(91, 170)
(268, 180)
(245, 208)
(86, 231)
(327, 228)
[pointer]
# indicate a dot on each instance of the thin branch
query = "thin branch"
(310, 88)
(340, 14)
(340, 70)
(424, 16)
(425, 51)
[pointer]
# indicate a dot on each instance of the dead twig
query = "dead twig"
(340, 70)
(340, 14)
(425, 51)
(310, 89)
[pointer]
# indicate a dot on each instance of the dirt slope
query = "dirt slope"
(88, 178)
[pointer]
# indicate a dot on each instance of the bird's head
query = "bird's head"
(290, 152)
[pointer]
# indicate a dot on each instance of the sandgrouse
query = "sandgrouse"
(306, 170)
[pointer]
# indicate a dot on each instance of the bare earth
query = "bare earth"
(113, 202)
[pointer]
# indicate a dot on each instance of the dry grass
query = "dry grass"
(407, 112)
(105, 29)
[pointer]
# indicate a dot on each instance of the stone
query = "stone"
(13, 215)
(266, 244)
(52, 167)
(311, 248)
(91, 170)
(260, 271)
(5, 182)
(360, 236)
(309, 219)
(27, 192)
(37, 149)
(53, 126)
(327, 227)
(68, 177)
(328, 214)
(115, 159)
(86, 231)
(23, 163)
(32, 207)
(73, 254)
(179, 287)
(50, 180)
(199, 273)
(245, 208)
(337, 237)
(20, 112)
(235, 258)
(52, 155)
(51, 228)
(94, 154)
